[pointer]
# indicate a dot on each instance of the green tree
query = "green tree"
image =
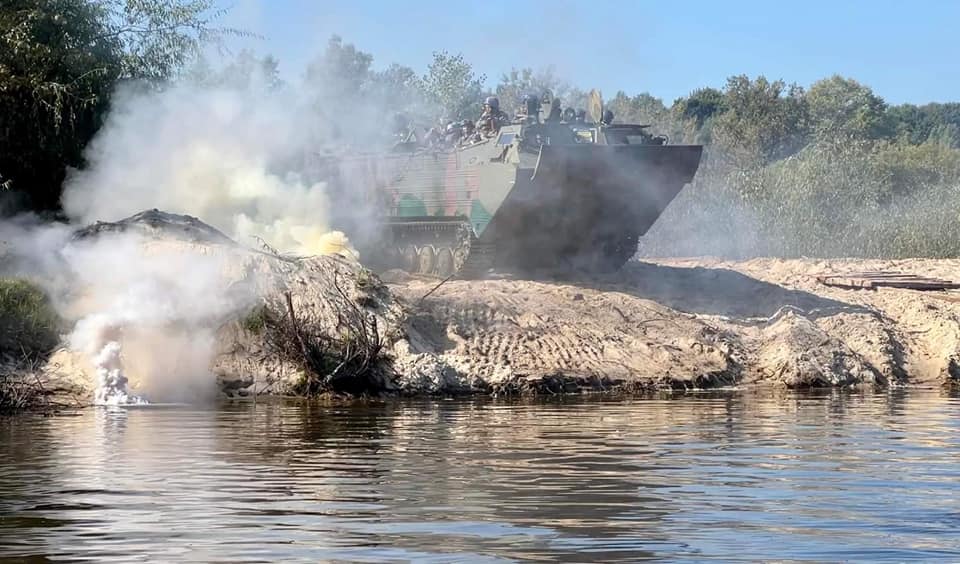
(763, 121)
(59, 62)
(519, 82)
(917, 124)
(340, 73)
(397, 88)
(643, 109)
(701, 105)
(945, 135)
(158, 38)
(843, 107)
(243, 71)
(357, 100)
(452, 86)
(694, 115)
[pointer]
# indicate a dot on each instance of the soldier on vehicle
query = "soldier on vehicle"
(468, 132)
(492, 118)
(569, 115)
(434, 136)
(555, 113)
(529, 111)
(581, 116)
(452, 134)
(607, 117)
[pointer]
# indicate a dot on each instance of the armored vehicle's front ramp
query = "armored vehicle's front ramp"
(585, 206)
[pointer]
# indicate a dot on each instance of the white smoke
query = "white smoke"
(151, 306)
(146, 318)
(226, 155)
(221, 154)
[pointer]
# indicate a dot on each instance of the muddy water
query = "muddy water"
(820, 477)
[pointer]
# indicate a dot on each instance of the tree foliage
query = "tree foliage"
(763, 120)
(341, 72)
(245, 70)
(701, 105)
(843, 107)
(453, 86)
(918, 124)
(59, 62)
(517, 83)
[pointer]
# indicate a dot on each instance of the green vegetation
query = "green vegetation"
(256, 320)
(29, 326)
(28, 333)
(60, 61)
(831, 169)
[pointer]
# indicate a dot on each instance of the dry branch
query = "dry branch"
(349, 357)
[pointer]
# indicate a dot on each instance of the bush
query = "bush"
(29, 326)
(838, 198)
(28, 333)
(256, 320)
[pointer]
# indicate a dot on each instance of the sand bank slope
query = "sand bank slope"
(674, 324)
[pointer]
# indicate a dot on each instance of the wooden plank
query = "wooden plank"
(885, 279)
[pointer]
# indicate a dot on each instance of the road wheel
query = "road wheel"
(409, 260)
(445, 263)
(428, 259)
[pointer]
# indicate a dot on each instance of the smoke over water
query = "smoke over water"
(100, 340)
(149, 308)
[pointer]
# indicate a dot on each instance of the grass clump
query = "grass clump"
(256, 320)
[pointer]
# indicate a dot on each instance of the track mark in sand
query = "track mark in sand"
(591, 349)
(502, 348)
(532, 329)
(511, 305)
(546, 349)
(568, 346)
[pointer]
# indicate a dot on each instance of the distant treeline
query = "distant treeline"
(826, 170)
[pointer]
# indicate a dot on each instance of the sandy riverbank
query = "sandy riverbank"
(666, 324)
(700, 323)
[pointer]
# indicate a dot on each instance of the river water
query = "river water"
(728, 476)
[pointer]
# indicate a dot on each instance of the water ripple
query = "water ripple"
(726, 476)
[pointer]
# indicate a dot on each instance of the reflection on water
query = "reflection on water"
(822, 477)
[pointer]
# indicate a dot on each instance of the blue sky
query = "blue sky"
(907, 52)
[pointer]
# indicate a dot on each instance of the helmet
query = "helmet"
(493, 102)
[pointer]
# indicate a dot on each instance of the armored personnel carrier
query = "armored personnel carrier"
(541, 193)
